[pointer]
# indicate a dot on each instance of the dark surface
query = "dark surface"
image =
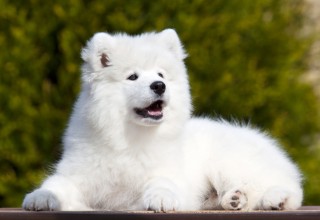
(306, 212)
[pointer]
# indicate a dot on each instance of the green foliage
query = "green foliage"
(246, 62)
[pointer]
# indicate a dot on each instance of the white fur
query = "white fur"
(114, 159)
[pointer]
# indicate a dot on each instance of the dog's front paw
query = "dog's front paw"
(161, 200)
(41, 200)
(234, 200)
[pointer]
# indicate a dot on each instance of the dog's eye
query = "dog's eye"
(133, 77)
(161, 75)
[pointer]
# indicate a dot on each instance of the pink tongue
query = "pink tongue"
(154, 113)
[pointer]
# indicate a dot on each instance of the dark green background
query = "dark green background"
(246, 62)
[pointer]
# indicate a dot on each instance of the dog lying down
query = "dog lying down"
(131, 143)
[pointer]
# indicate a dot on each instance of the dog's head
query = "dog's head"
(142, 78)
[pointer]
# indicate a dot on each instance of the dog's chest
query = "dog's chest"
(114, 183)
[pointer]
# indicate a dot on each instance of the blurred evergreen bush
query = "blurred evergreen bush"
(246, 62)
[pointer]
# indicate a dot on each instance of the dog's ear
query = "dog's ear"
(171, 40)
(97, 51)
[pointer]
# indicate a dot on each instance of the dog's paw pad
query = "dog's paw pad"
(280, 206)
(234, 200)
(41, 200)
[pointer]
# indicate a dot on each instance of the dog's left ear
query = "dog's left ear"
(173, 43)
(97, 51)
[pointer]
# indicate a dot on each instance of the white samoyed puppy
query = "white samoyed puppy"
(131, 143)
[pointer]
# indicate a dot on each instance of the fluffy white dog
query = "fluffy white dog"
(131, 143)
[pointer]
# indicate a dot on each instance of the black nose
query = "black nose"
(158, 87)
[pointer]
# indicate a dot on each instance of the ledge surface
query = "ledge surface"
(305, 212)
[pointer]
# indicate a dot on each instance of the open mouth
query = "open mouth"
(153, 111)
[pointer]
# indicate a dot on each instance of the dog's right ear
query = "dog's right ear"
(98, 50)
